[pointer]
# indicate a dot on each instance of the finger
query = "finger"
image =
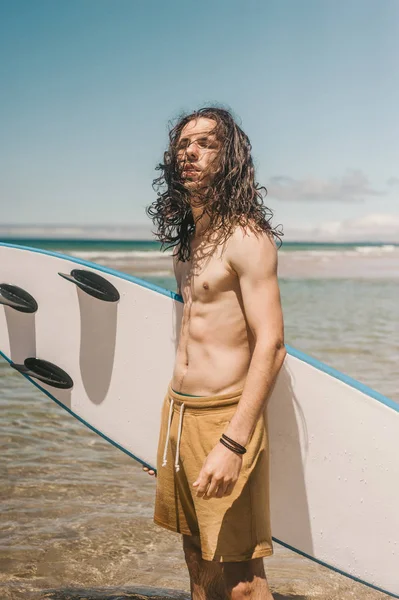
(200, 479)
(202, 486)
(228, 489)
(223, 488)
(202, 491)
(212, 489)
(149, 471)
(220, 491)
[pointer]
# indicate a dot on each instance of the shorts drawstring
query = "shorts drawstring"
(164, 460)
(177, 466)
(165, 452)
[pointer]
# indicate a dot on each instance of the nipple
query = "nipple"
(205, 285)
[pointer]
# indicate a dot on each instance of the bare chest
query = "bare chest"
(205, 278)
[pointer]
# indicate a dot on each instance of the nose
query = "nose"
(192, 150)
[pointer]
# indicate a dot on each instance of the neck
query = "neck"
(201, 218)
(201, 221)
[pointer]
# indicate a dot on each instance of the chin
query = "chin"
(190, 183)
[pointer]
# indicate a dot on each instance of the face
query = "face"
(197, 153)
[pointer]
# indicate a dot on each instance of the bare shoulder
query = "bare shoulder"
(249, 249)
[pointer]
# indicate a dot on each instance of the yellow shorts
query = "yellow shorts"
(232, 528)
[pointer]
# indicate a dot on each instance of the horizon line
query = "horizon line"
(8, 238)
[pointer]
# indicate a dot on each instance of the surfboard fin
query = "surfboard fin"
(44, 371)
(93, 284)
(17, 298)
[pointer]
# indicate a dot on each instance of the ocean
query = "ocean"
(77, 513)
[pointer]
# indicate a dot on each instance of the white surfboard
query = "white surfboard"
(102, 345)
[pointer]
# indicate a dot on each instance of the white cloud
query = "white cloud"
(353, 186)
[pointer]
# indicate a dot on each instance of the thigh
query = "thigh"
(235, 527)
(174, 507)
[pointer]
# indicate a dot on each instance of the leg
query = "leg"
(206, 577)
(246, 580)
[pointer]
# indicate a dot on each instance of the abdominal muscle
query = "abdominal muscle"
(214, 348)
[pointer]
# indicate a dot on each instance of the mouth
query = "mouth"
(190, 169)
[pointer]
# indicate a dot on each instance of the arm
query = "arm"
(254, 259)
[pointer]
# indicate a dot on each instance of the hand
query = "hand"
(149, 471)
(220, 472)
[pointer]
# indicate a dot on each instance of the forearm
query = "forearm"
(265, 364)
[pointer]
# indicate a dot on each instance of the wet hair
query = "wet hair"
(233, 198)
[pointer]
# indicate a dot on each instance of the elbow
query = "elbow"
(274, 348)
(281, 353)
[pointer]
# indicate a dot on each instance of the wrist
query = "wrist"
(229, 451)
(232, 445)
(237, 436)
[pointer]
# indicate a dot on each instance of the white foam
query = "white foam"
(376, 249)
(117, 256)
(356, 252)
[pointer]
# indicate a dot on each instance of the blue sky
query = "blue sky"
(88, 88)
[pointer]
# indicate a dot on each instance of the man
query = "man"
(212, 473)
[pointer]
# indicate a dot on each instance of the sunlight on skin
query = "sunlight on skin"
(199, 147)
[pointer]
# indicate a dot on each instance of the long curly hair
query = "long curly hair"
(234, 197)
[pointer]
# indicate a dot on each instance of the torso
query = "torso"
(215, 343)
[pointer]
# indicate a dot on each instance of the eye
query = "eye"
(204, 143)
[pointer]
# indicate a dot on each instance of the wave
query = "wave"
(376, 249)
(356, 252)
(114, 255)
(130, 257)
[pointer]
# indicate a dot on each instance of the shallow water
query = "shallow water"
(76, 518)
(77, 512)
